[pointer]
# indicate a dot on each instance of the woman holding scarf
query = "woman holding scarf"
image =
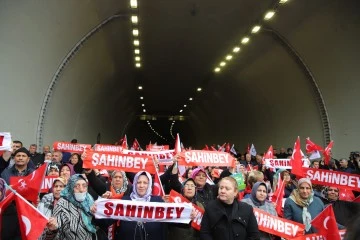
(257, 199)
(302, 206)
(141, 192)
(72, 219)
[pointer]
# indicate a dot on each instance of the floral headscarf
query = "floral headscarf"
(134, 195)
(125, 182)
(68, 194)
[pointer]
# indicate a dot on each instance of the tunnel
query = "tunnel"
(237, 71)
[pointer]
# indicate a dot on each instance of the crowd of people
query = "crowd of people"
(70, 204)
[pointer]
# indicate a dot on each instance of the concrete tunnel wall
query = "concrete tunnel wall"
(95, 94)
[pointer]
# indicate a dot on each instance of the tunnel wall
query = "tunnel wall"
(277, 104)
(36, 36)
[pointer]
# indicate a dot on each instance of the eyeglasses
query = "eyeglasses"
(189, 186)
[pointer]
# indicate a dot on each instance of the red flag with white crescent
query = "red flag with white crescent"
(311, 147)
(296, 160)
(29, 186)
(157, 187)
(31, 221)
(327, 152)
(325, 223)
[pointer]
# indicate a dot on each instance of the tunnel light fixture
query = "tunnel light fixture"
(141, 98)
(180, 110)
(222, 64)
(199, 89)
(269, 15)
(140, 87)
(144, 110)
(190, 99)
(185, 105)
(136, 42)
(137, 58)
(245, 40)
(236, 49)
(134, 19)
(229, 57)
(143, 105)
(138, 65)
(217, 69)
(137, 51)
(133, 3)
(283, 1)
(255, 29)
(135, 32)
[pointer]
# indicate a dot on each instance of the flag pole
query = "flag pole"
(26, 201)
(157, 175)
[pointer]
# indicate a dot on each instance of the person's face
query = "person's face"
(333, 194)
(227, 191)
(21, 159)
(261, 193)
(57, 188)
(118, 180)
(290, 152)
(242, 169)
(248, 157)
(32, 149)
(53, 172)
(343, 163)
(142, 185)
(16, 146)
(48, 156)
(258, 159)
(304, 190)
(242, 157)
(200, 179)
(46, 149)
(316, 165)
(74, 159)
(287, 177)
(81, 186)
(189, 173)
(274, 151)
(56, 157)
(65, 172)
(282, 150)
(189, 189)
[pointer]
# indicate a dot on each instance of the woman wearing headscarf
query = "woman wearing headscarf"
(204, 191)
(72, 218)
(180, 231)
(257, 199)
(66, 170)
(48, 201)
(228, 219)
(118, 186)
(302, 206)
(141, 230)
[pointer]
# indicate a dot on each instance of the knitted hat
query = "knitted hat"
(23, 150)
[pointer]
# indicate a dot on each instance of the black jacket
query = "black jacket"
(216, 225)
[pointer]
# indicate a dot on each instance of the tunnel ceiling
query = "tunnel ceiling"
(182, 42)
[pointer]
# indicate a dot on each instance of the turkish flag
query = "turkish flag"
(157, 186)
(296, 162)
(269, 155)
(311, 147)
(206, 147)
(31, 221)
(346, 195)
(124, 144)
(136, 145)
(227, 148)
(278, 196)
(29, 186)
(4, 204)
(326, 224)
(177, 147)
(327, 152)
